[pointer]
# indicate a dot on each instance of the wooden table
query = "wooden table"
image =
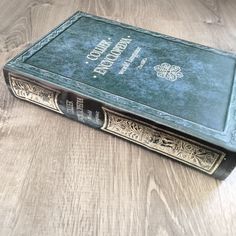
(58, 177)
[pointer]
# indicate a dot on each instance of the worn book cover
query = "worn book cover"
(171, 96)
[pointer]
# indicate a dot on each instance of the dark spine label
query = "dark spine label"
(81, 109)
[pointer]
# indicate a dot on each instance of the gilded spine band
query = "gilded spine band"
(195, 154)
(37, 94)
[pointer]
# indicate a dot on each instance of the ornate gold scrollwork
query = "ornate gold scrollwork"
(156, 139)
(34, 93)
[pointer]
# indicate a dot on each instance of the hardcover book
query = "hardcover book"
(168, 95)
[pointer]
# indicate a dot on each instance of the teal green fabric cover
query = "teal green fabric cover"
(182, 85)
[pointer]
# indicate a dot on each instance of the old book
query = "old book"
(171, 96)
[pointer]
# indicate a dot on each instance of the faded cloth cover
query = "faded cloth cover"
(183, 88)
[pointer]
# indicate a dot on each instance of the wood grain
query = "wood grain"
(59, 177)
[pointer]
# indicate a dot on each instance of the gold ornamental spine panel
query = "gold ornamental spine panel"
(190, 152)
(37, 94)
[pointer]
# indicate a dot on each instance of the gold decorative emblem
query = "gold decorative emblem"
(168, 72)
(34, 93)
(156, 139)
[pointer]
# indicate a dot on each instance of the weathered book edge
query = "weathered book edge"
(195, 153)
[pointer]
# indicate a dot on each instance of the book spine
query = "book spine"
(197, 154)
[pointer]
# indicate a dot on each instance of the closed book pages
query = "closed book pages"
(168, 95)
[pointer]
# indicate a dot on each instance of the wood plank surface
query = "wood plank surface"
(58, 177)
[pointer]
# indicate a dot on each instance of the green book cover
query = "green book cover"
(169, 95)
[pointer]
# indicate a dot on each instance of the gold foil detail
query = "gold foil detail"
(156, 139)
(34, 93)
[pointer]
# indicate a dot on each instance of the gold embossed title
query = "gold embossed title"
(104, 66)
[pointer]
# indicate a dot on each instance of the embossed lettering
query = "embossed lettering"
(99, 50)
(109, 60)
